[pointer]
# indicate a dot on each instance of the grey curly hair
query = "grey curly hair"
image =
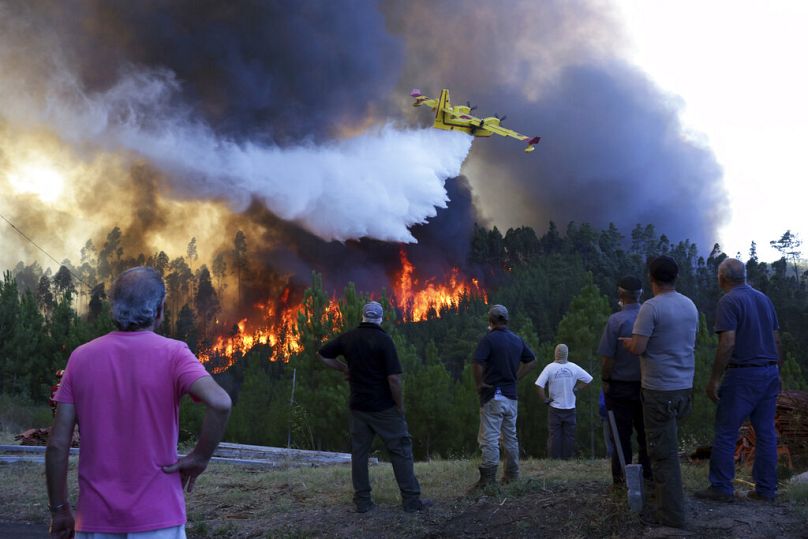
(137, 296)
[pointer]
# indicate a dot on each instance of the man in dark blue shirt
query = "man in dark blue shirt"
(502, 358)
(620, 373)
(748, 358)
(377, 406)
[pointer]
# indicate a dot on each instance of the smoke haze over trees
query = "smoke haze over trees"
(206, 109)
(559, 286)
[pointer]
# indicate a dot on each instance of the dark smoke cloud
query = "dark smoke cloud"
(234, 78)
(282, 69)
(612, 149)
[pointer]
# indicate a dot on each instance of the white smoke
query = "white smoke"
(374, 185)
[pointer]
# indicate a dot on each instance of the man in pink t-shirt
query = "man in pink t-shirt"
(123, 390)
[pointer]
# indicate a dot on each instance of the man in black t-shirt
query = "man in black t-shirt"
(377, 406)
(502, 358)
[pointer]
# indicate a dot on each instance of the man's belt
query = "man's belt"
(745, 365)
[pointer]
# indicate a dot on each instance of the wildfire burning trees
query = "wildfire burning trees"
(417, 300)
(277, 326)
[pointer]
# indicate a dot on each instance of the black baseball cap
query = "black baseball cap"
(630, 283)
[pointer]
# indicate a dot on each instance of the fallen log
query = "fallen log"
(226, 453)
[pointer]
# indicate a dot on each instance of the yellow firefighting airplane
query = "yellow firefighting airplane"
(458, 118)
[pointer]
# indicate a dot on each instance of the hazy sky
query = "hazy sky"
(739, 67)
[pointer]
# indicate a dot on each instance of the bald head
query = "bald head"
(732, 272)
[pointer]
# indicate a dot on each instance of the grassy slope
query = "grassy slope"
(561, 499)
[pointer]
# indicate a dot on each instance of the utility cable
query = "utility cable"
(21, 233)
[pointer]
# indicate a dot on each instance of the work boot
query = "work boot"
(488, 477)
(417, 505)
(511, 476)
(365, 506)
(754, 495)
(712, 493)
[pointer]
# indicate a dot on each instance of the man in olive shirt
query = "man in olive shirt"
(377, 406)
(664, 336)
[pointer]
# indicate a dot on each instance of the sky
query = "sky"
(738, 67)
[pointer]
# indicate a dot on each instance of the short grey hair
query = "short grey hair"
(733, 270)
(137, 295)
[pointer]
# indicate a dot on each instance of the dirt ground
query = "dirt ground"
(582, 510)
(571, 499)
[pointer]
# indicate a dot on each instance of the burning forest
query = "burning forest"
(134, 120)
(412, 299)
(265, 158)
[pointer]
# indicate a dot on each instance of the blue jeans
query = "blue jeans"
(746, 392)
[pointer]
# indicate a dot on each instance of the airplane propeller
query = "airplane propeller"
(471, 109)
(500, 118)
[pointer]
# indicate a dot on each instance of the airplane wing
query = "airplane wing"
(494, 127)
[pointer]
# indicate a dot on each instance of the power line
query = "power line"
(21, 233)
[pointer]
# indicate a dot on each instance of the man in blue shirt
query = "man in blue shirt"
(502, 358)
(748, 358)
(620, 373)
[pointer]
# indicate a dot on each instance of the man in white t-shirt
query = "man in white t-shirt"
(563, 379)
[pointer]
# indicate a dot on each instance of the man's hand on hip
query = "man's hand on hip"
(62, 524)
(190, 467)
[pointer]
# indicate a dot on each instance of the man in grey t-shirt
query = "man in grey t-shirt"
(664, 336)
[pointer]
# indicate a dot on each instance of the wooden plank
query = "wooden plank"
(226, 453)
(30, 449)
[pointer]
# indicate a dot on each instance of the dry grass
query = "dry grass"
(563, 499)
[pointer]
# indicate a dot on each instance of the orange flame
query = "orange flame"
(279, 331)
(416, 305)
(414, 299)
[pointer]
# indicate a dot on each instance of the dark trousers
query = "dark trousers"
(623, 400)
(662, 411)
(391, 427)
(561, 424)
(747, 392)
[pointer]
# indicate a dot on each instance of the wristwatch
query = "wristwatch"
(57, 508)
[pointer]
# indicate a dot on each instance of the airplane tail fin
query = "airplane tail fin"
(531, 144)
(443, 104)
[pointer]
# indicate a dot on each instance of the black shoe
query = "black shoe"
(712, 493)
(364, 507)
(417, 505)
(653, 521)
